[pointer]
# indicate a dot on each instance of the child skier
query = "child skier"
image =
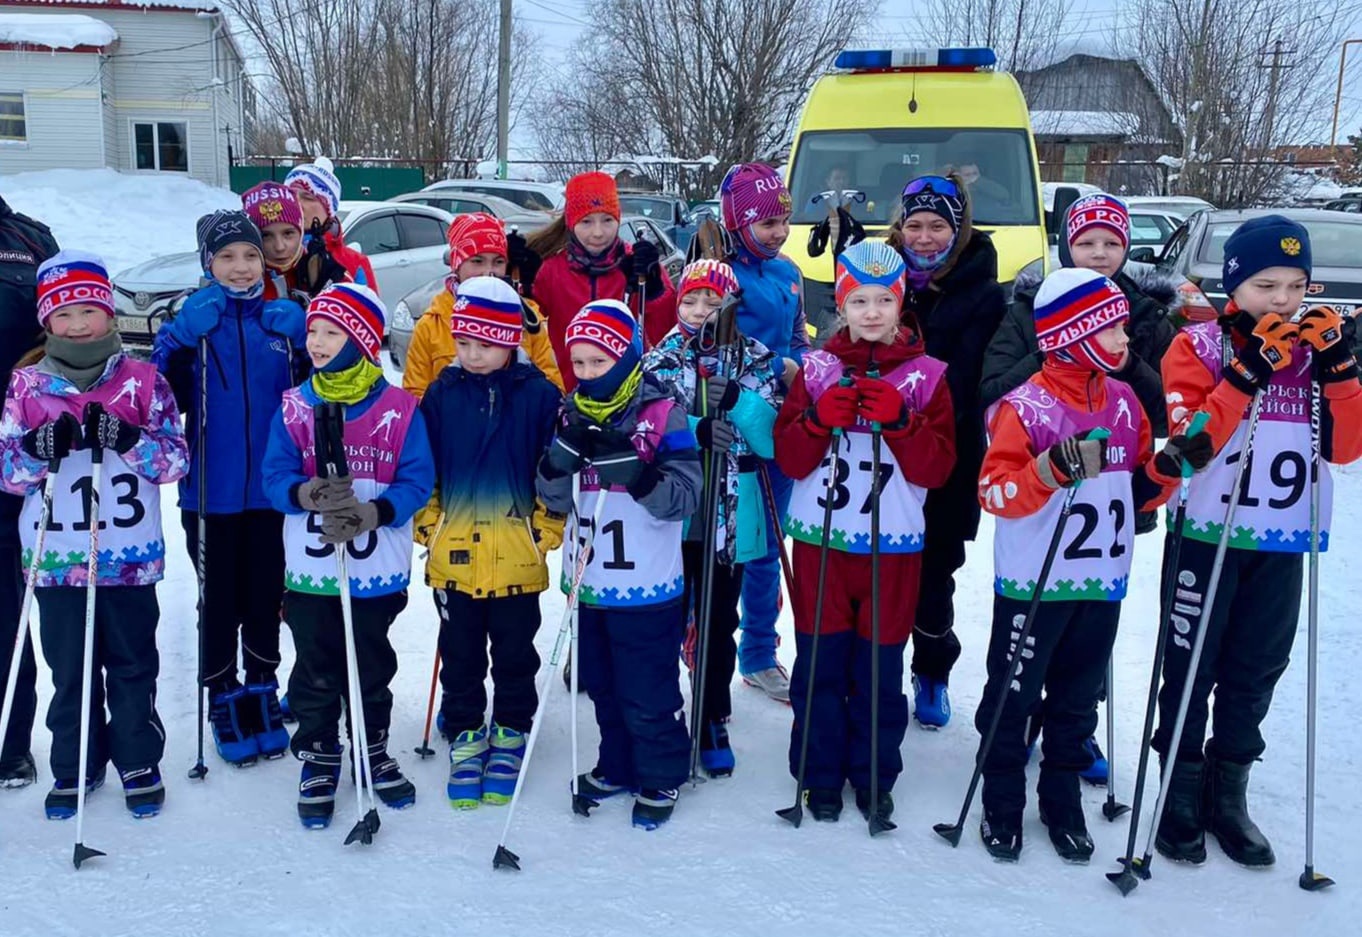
(85, 394)
(756, 209)
(274, 210)
(630, 444)
(1040, 440)
(478, 246)
(871, 371)
(249, 364)
(1220, 367)
(490, 416)
(366, 512)
(584, 260)
(732, 415)
(328, 259)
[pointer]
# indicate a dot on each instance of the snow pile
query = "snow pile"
(126, 218)
(55, 30)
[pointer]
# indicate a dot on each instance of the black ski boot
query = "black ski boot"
(652, 808)
(390, 784)
(18, 772)
(1225, 808)
(1182, 834)
(824, 803)
(1002, 837)
(1068, 833)
(317, 784)
(886, 805)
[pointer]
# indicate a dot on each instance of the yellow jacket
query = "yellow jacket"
(432, 346)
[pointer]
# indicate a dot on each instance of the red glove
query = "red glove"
(880, 402)
(836, 409)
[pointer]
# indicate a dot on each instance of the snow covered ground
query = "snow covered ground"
(228, 856)
(126, 218)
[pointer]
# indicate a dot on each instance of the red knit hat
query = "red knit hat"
(1098, 211)
(487, 310)
(707, 275)
(73, 277)
(270, 203)
(609, 325)
(473, 234)
(357, 311)
(588, 193)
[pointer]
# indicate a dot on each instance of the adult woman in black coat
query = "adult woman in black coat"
(953, 294)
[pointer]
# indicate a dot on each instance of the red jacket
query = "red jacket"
(562, 290)
(352, 260)
(924, 449)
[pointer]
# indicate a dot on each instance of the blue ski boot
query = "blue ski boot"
(716, 757)
(931, 702)
(271, 738)
(231, 736)
(317, 784)
(467, 762)
(503, 765)
(286, 711)
(653, 808)
(143, 791)
(1096, 773)
(61, 800)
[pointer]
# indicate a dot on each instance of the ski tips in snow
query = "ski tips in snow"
(582, 806)
(1311, 880)
(199, 771)
(83, 852)
(792, 815)
(365, 829)
(1113, 809)
(505, 859)
(950, 832)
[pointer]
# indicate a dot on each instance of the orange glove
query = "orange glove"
(1267, 351)
(1322, 330)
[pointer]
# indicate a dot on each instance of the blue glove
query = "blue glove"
(200, 314)
(285, 317)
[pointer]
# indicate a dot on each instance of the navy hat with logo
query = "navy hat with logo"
(1259, 243)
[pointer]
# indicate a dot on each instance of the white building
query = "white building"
(135, 85)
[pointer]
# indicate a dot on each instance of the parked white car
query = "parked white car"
(537, 196)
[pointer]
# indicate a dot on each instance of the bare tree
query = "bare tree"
(1240, 78)
(412, 79)
(694, 78)
(1025, 33)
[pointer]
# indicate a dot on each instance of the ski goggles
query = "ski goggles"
(934, 185)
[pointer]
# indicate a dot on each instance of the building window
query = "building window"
(1076, 162)
(13, 128)
(163, 146)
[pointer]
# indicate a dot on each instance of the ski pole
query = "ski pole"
(950, 832)
(424, 749)
(200, 769)
(581, 804)
(715, 463)
(1125, 880)
(1212, 589)
(81, 852)
(1112, 809)
(24, 630)
(794, 814)
(504, 858)
(1310, 880)
(769, 493)
(877, 823)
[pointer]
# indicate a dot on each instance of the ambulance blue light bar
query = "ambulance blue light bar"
(864, 60)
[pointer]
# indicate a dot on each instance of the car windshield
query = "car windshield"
(996, 165)
(1332, 243)
(647, 207)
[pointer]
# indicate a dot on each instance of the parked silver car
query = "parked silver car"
(536, 196)
(511, 215)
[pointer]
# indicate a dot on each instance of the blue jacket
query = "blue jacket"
(772, 309)
(249, 368)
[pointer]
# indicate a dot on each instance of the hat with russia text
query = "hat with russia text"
(73, 277)
(357, 311)
(487, 309)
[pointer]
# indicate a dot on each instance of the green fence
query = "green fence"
(382, 182)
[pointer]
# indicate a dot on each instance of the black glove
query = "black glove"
(1195, 450)
(1072, 460)
(1267, 349)
(570, 450)
(714, 435)
(103, 430)
(54, 439)
(721, 394)
(644, 261)
(318, 269)
(615, 459)
(524, 262)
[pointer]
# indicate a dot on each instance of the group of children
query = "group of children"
(489, 467)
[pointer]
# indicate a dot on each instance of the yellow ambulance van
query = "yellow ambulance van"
(882, 117)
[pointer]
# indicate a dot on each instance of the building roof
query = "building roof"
(1084, 123)
(57, 31)
(189, 6)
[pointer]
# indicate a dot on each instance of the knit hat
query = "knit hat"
(752, 192)
(936, 194)
(70, 277)
(869, 263)
(1072, 305)
(473, 234)
(487, 309)
(1099, 210)
(707, 275)
(222, 228)
(357, 311)
(588, 193)
(609, 325)
(318, 179)
(1266, 241)
(271, 203)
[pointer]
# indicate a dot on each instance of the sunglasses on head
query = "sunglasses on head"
(936, 185)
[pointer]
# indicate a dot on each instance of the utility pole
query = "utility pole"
(1273, 80)
(1338, 95)
(504, 90)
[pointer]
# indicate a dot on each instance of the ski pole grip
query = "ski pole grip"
(1198, 424)
(1099, 432)
(844, 381)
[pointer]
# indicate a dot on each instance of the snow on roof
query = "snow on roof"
(55, 30)
(1084, 123)
(207, 5)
